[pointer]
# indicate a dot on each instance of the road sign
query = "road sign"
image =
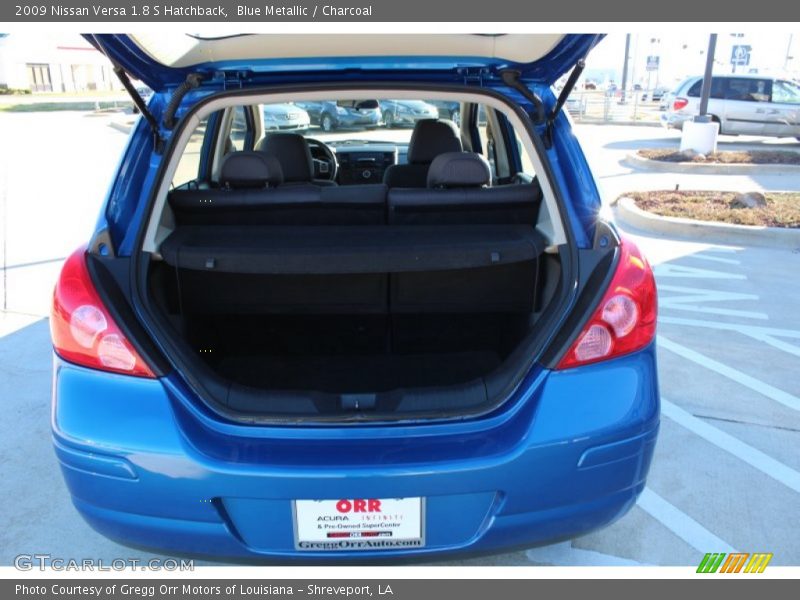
(740, 56)
(652, 63)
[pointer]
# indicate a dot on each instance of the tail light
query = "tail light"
(680, 103)
(625, 320)
(83, 331)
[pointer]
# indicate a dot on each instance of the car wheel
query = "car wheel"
(715, 119)
(327, 123)
(388, 119)
(455, 117)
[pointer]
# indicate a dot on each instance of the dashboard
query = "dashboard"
(357, 163)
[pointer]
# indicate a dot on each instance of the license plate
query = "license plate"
(359, 524)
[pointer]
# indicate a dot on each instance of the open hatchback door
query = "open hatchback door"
(164, 62)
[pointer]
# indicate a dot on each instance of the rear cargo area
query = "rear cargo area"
(360, 297)
(350, 309)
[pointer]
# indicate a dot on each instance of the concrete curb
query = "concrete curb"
(122, 127)
(717, 233)
(627, 123)
(635, 161)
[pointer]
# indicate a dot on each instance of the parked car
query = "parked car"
(741, 104)
(655, 95)
(666, 100)
(407, 112)
(285, 117)
(251, 362)
(447, 109)
(336, 114)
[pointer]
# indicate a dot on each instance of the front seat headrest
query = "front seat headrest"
(459, 170)
(250, 170)
(292, 150)
(431, 138)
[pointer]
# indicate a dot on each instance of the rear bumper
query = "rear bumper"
(569, 455)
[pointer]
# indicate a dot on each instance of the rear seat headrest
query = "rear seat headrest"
(250, 170)
(431, 138)
(459, 169)
(294, 154)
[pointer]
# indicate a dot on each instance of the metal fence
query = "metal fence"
(599, 106)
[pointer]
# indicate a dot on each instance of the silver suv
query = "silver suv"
(741, 104)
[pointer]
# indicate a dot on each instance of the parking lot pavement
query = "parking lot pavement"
(606, 146)
(726, 474)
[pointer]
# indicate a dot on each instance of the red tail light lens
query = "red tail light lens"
(680, 103)
(82, 329)
(625, 320)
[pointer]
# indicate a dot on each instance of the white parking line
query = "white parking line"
(565, 555)
(681, 524)
(753, 457)
(745, 329)
(670, 270)
(719, 259)
(725, 249)
(747, 381)
(779, 344)
(684, 295)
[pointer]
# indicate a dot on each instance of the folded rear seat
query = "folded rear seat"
(458, 193)
(457, 246)
(252, 193)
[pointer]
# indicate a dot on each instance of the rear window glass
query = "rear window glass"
(748, 90)
(785, 92)
(189, 165)
(357, 132)
(717, 88)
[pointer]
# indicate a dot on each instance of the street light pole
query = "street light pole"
(625, 65)
(788, 52)
(700, 134)
(706, 90)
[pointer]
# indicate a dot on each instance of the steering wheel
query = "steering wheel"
(324, 158)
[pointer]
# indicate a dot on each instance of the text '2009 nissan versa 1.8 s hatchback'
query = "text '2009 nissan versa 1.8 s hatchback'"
(363, 344)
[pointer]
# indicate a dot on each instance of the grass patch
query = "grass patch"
(58, 106)
(742, 157)
(782, 209)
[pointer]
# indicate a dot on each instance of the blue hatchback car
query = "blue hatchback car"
(391, 346)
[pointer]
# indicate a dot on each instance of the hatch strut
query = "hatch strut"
(158, 141)
(562, 98)
(511, 78)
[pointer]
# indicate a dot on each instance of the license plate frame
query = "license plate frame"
(397, 524)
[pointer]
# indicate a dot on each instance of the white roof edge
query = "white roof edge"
(186, 50)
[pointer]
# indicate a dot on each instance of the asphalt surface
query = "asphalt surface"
(726, 474)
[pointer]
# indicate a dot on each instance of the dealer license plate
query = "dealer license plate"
(359, 524)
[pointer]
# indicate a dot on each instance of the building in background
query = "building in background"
(61, 63)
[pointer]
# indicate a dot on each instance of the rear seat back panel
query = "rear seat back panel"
(290, 205)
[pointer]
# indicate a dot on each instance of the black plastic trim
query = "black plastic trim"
(108, 274)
